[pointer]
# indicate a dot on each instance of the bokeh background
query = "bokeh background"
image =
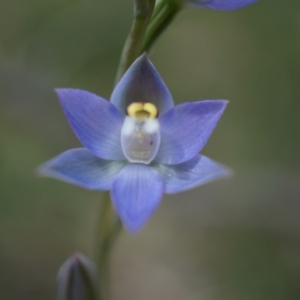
(236, 239)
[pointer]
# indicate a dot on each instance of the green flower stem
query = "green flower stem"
(139, 39)
(142, 13)
(163, 14)
(109, 228)
(109, 223)
(159, 4)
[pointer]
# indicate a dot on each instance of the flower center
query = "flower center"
(140, 134)
(142, 110)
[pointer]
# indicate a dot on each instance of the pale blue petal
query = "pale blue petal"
(142, 83)
(81, 167)
(136, 193)
(197, 171)
(222, 4)
(186, 128)
(96, 122)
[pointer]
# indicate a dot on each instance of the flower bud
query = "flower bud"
(77, 279)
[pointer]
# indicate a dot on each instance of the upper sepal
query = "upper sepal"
(221, 4)
(142, 83)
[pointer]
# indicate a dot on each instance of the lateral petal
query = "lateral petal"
(186, 128)
(95, 121)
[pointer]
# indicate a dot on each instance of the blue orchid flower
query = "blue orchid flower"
(221, 4)
(137, 145)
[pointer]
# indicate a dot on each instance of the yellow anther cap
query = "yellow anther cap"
(142, 110)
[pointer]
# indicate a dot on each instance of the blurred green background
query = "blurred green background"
(236, 239)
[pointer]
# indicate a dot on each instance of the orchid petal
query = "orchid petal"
(136, 193)
(222, 4)
(95, 121)
(80, 167)
(197, 171)
(186, 128)
(142, 83)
